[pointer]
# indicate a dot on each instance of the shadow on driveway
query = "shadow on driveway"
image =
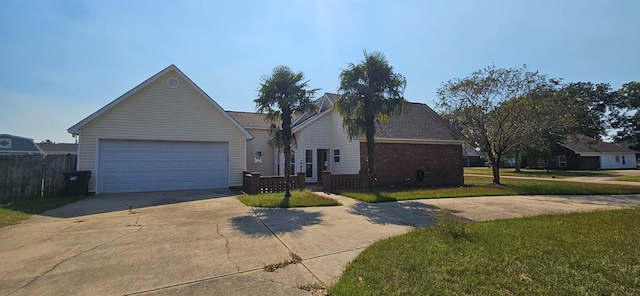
(277, 221)
(409, 213)
(104, 203)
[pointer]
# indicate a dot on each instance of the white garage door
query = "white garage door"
(138, 166)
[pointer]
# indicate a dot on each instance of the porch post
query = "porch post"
(301, 183)
(326, 181)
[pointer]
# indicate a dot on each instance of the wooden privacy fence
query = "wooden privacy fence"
(253, 183)
(336, 182)
(27, 176)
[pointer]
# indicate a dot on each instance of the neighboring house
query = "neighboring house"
(59, 148)
(582, 153)
(472, 157)
(417, 145)
(14, 145)
(164, 134)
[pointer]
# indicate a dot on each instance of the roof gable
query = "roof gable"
(418, 123)
(15, 144)
(78, 126)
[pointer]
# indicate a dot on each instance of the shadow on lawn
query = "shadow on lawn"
(277, 221)
(409, 213)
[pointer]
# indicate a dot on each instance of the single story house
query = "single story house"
(168, 134)
(59, 148)
(416, 146)
(582, 153)
(15, 145)
(164, 134)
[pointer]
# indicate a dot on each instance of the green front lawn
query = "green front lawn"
(481, 186)
(304, 198)
(628, 178)
(14, 212)
(578, 254)
(541, 173)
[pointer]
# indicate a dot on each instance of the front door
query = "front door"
(323, 162)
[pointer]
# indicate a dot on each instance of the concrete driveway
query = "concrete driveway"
(208, 243)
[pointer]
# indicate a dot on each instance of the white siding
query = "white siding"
(608, 161)
(349, 150)
(260, 142)
(157, 112)
(326, 133)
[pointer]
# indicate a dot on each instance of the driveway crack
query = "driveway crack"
(285, 245)
(227, 246)
(72, 257)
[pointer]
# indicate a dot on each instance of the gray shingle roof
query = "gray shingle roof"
(581, 144)
(419, 121)
(250, 119)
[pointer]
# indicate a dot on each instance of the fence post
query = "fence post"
(326, 181)
(255, 183)
(301, 182)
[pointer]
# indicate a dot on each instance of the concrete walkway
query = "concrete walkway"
(208, 243)
(588, 179)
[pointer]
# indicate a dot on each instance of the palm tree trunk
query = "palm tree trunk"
(370, 134)
(286, 129)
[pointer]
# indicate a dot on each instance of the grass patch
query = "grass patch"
(577, 254)
(14, 212)
(541, 173)
(628, 179)
(304, 198)
(481, 186)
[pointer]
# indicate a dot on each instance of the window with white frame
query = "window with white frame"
(562, 161)
(308, 157)
(623, 161)
(336, 155)
(617, 158)
(540, 163)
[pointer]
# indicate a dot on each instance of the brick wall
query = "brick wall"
(397, 164)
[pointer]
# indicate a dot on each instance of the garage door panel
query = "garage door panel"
(136, 166)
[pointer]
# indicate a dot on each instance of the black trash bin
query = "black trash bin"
(77, 183)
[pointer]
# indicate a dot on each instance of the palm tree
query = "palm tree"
(280, 95)
(370, 92)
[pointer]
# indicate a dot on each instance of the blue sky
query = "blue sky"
(62, 60)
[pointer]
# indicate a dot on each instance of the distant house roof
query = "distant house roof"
(10, 144)
(418, 122)
(469, 151)
(585, 145)
(59, 148)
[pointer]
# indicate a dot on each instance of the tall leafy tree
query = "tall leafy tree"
(490, 107)
(370, 92)
(280, 95)
(588, 103)
(545, 120)
(626, 115)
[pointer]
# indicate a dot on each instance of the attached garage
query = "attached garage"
(164, 134)
(138, 166)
